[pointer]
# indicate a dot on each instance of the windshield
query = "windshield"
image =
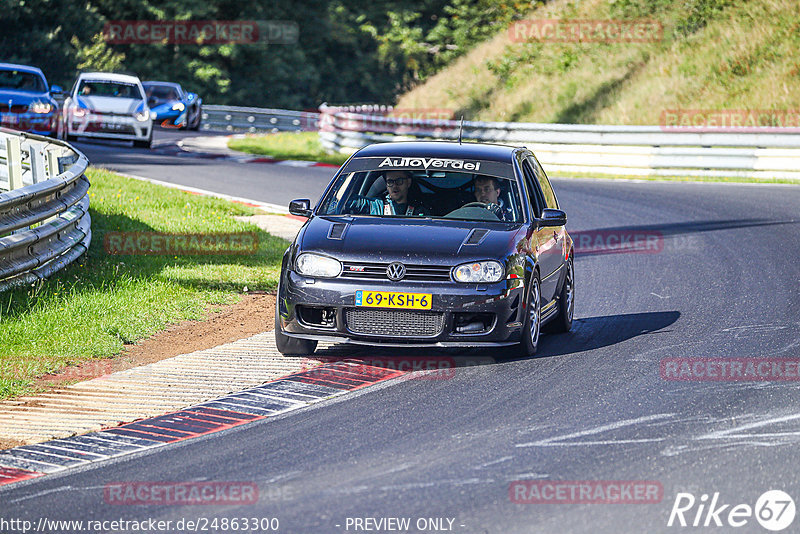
(108, 88)
(161, 92)
(22, 81)
(363, 188)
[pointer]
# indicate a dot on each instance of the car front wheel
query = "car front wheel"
(143, 144)
(291, 346)
(196, 125)
(562, 322)
(533, 318)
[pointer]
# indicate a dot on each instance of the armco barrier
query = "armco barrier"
(590, 149)
(239, 119)
(44, 208)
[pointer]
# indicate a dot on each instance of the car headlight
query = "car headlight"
(178, 106)
(479, 272)
(40, 107)
(317, 266)
(142, 116)
(78, 112)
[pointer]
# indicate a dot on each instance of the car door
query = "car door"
(546, 238)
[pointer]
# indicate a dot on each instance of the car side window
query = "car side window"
(535, 196)
(547, 189)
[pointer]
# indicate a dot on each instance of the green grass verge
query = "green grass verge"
(102, 301)
(286, 145)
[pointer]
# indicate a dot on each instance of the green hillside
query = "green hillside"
(714, 54)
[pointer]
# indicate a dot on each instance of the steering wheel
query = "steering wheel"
(494, 208)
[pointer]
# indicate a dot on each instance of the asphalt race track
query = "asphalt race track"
(721, 281)
(258, 181)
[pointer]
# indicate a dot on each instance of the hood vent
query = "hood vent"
(476, 236)
(337, 230)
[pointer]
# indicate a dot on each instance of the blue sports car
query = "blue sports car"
(172, 107)
(26, 101)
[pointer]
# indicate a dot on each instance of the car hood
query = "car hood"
(435, 241)
(110, 104)
(19, 98)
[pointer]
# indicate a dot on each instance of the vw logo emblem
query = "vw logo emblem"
(396, 271)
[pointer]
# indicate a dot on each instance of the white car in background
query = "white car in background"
(108, 106)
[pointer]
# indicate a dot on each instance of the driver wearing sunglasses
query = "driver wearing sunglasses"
(396, 202)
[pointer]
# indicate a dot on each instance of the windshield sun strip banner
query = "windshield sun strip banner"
(413, 163)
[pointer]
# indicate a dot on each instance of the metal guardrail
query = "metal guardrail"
(241, 119)
(591, 149)
(44, 209)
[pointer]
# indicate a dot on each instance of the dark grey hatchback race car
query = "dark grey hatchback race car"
(429, 244)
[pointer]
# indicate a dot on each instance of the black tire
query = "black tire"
(532, 326)
(291, 346)
(143, 144)
(196, 125)
(562, 322)
(60, 132)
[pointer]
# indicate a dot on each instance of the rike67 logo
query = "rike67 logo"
(774, 510)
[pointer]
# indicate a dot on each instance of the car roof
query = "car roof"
(109, 77)
(25, 68)
(170, 84)
(439, 149)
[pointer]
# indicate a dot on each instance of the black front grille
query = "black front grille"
(394, 323)
(414, 273)
(115, 128)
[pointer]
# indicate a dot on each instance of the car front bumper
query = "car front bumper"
(121, 127)
(498, 307)
(37, 123)
(172, 118)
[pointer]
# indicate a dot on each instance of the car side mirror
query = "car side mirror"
(301, 207)
(551, 217)
(56, 90)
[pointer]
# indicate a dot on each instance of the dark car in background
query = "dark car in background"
(404, 249)
(27, 102)
(172, 107)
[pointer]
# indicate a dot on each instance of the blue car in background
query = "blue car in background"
(26, 101)
(172, 107)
